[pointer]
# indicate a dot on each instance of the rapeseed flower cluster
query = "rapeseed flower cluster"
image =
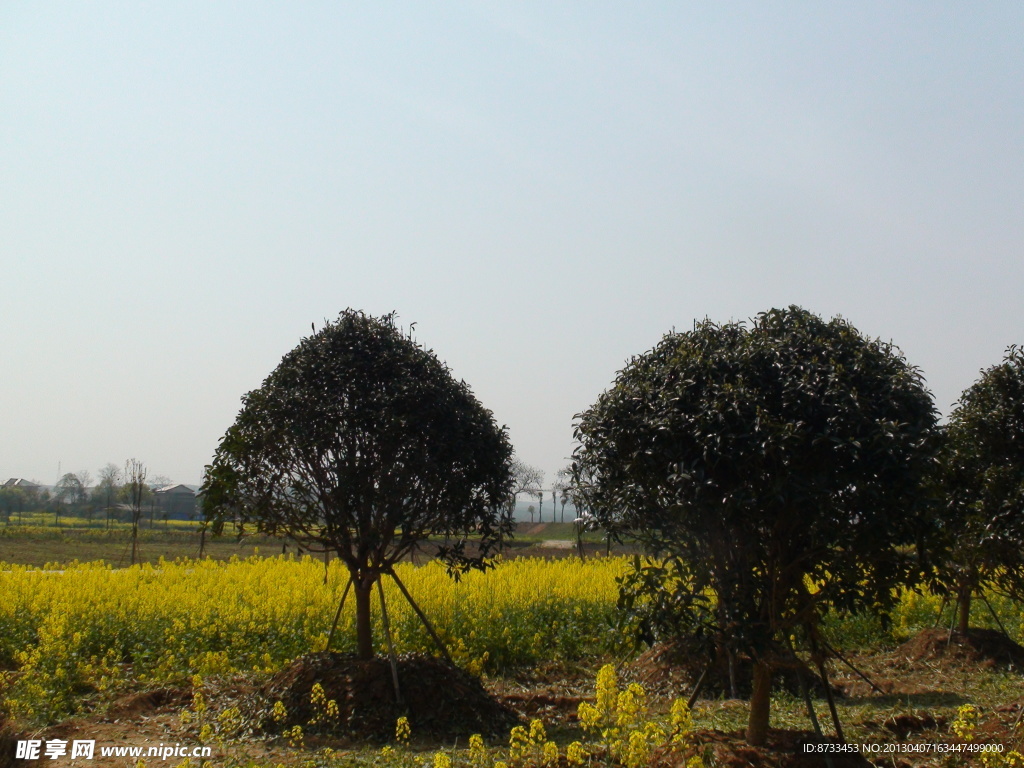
(620, 717)
(964, 727)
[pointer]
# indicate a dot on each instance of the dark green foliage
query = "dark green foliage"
(362, 442)
(751, 459)
(11, 500)
(982, 483)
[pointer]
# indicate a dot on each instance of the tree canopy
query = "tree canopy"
(772, 468)
(69, 489)
(361, 442)
(982, 486)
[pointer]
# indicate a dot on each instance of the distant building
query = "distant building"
(176, 501)
(20, 482)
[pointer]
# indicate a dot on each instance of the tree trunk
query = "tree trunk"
(760, 705)
(364, 629)
(963, 602)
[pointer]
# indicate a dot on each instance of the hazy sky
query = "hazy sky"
(543, 188)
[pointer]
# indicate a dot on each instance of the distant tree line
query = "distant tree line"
(111, 498)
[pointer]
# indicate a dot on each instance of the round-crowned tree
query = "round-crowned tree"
(362, 443)
(982, 479)
(772, 471)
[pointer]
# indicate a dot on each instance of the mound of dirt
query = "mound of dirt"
(8, 741)
(904, 725)
(985, 647)
(441, 701)
(672, 670)
(143, 703)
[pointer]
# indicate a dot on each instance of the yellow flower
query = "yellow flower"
(588, 715)
(631, 706)
(537, 734)
(477, 751)
(575, 754)
(549, 755)
(280, 712)
(681, 719)
(402, 731)
(607, 690)
(518, 744)
(965, 723)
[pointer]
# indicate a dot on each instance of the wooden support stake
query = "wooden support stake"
(806, 693)
(994, 616)
(391, 645)
(334, 626)
(423, 617)
(828, 696)
(699, 686)
(732, 674)
(952, 623)
(860, 674)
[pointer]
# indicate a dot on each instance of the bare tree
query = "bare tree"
(156, 483)
(110, 483)
(525, 479)
(561, 487)
(135, 485)
(85, 479)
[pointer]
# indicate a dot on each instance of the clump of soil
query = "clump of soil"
(441, 701)
(551, 691)
(985, 647)
(145, 702)
(672, 669)
(904, 725)
(8, 741)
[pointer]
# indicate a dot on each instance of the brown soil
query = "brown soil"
(442, 702)
(918, 702)
(146, 702)
(985, 647)
(8, 739)
(672, 670)
(549, 691)
(905, 725)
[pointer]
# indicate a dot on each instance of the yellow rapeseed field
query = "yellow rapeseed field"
(67, 635)
(91, 627)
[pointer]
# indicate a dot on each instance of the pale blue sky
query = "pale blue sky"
(544, 188)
